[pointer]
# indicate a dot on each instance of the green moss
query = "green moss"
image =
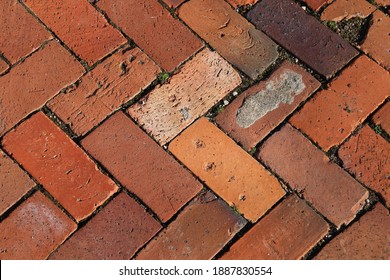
(163, 77)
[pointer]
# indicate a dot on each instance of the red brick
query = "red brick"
(317, 4)
(200, 84)
(14, 183)
(63, 169)
(174, 3)
(307, 170)
(367, 239)
(287, 232)
(237, 3)
(20, 32)
(334, 113)
(347, 9)
(141, 165)
(229, 171)
(34, 230)
(151, 26)
(313, 43)
(382, 117)
(3, 66)
(198, 233)
(366, 155)
(115, 233)
(30, 84)
(377, 41)
(261, 108)
(383, 2)
(230, 34)
(80, 26)
(100, 92)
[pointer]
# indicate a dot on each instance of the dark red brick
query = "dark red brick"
(29, 85)
(34, 230)
(382, 117)
(115, 233)
(198, 233)
(331, 190)
(261, 108)
(141, 165)
(331, 116)
(100, 92)
(303, 35)
(14, 182)
(150, 25)
(367, 239)
(80, 26)
(287, 232)
(20, 32)
(56, 162)
(366, 155)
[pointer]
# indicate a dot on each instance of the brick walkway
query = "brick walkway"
(194, 129)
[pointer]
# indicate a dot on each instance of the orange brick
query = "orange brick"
(229, 171)
(317, 4)
(34, 230)
(173, 3)
(153, 29)
(80, 26)
(237, 3)
(63, 169)
(14, 182)
(287, 232)
(366, 155)
(230, 34)
(20, 32)
(367, 239)
(3, 66)
(347, 9)
(100, 92)
(29, 85)
(334, 113)
(382, 117)
(198, 233)
(330, 189)
(200, 84)
(383, 2)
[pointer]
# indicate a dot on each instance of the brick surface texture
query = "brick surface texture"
(237, 3)
(173, 3)
(3, 66)
(347, 9)
(382, 117)
(317, 4)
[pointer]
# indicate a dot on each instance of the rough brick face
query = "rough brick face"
(141, 165)
(199, 85)
(313, 43)
(334, 113)
(367, 156)
(115, 233)
(100, 92)
(347, 9)
(63, 169)
(34, 230)
(261, 108)
(227, 169)
(164, 38)
(382, 117)
(3, 66)
(173, 3)
(34, 82)
(317, 4)
(331, 190)
(198, 233)
(287, 232)
(237, 3)
(79, 26)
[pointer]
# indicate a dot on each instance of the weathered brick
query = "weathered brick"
(317, 4)
(377, 41)
(173, 3)
(14, 183)
(287, 232)
(366, 155)
(261, 108)
(230, 34)
(347, 9)
(115, 233)
(382, 117)
(63, 169)
(200, 84)
(141, 165)
(198, 233)
(309, 171)
(80, 26)
(383, 2)
(100, 92)
(313, 43)
(333, 114)
(34, 229)
(164, 38)
(229, 171)
(20, 32)
(30, 84)
(3, 66)
(238, 3)
(367, 239)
